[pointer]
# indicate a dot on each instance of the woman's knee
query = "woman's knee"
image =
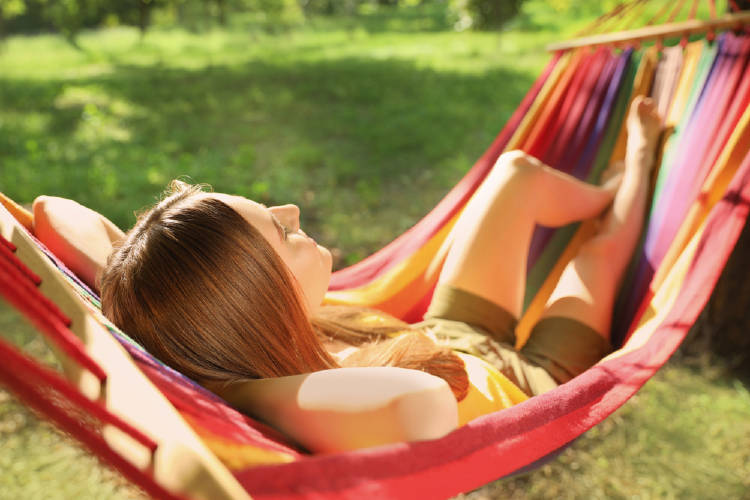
(516, 165)
(516, 158)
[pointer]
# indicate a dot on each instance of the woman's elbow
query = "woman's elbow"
(351, 408)
(428, 413)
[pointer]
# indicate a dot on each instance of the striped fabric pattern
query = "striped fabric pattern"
(572, 119)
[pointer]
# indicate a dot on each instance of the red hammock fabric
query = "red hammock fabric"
(50, 394)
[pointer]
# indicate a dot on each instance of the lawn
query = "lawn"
(365, 124)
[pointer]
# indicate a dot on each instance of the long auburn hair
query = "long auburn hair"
(201, 289)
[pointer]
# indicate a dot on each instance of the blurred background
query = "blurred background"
(364, 113)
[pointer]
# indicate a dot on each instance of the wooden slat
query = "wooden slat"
(693, 26)
(181, 463)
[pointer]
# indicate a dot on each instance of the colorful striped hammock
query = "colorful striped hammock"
(571, 118)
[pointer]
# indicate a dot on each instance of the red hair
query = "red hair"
(201, 289)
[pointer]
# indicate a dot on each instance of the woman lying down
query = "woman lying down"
(229, 291)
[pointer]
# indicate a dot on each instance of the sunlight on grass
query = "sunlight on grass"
(37, 461)
(357, 110)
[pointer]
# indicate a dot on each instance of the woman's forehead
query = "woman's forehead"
(239, 203)
(253, 212)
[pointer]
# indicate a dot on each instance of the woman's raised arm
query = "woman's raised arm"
(349, 408)
(79, 236)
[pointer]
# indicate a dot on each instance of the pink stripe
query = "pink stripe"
(580, 100)
(685, 176)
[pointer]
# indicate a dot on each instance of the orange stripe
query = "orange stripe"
(389, 284)
(542, 121)
(23, 216)
(537, 305)
(539, 105)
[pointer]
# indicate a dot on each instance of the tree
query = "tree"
(8, 10)
(484, 14)
(144, 15)
(69, 17)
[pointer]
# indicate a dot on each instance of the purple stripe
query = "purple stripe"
(686, 175)
(599, 108)
(583, 167)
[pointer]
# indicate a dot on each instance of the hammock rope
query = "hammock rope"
(571, 118)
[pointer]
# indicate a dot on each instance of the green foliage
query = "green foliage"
(70, 16)
(279, 12)
(484, 14)
(578, 8)
(329, 7)
(11, 8)
(326, 118)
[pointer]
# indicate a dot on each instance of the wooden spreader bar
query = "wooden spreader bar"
(672, 30)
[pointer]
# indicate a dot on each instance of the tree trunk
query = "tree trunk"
(222, 7)
(144, 14)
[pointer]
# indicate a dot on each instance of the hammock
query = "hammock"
(571, 118)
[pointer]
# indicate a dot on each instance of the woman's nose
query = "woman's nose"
(288, 215)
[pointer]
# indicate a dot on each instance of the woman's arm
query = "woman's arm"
(80, 237)
(349, 408)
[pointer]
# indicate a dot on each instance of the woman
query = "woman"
(229, 292)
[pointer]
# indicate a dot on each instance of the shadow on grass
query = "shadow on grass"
(719, 342)
(426, 17)
(353, 138)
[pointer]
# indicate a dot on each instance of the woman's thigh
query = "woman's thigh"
(490, 240)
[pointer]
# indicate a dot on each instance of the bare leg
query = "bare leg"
(490, 242)
(586, 290)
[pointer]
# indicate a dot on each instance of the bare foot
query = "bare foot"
(630, 179)
(644, 126)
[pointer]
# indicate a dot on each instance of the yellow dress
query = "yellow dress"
(489, 390)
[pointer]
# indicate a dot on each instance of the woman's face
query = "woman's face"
(309, 262)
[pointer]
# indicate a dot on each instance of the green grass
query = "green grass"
(365, 123)
(684, 435)
(36, 460)
(339, 120)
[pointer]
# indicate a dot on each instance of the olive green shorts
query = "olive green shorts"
(558, 348)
